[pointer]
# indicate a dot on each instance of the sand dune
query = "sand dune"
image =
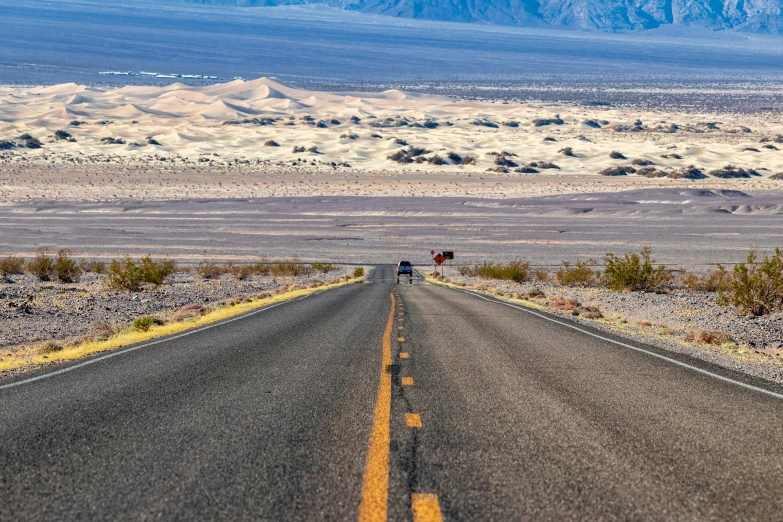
(242, 119)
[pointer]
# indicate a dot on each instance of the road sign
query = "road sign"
(439, 259)
(432, 252)
(447, 254)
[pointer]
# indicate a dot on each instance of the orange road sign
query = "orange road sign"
(439, 259)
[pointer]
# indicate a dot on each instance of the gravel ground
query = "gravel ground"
(665, 320)
(33, 311)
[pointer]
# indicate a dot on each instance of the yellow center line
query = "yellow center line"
(426, 508)
(413, 420)
(404, 355)
(375, 489)
(407, 381)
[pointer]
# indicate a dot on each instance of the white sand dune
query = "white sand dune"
(236, 120)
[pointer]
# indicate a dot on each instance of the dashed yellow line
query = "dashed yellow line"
(407, 381)
(426, 508)
(375, 489)
(413, 420)
(404, 355)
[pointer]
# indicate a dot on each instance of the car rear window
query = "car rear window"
(404, 263)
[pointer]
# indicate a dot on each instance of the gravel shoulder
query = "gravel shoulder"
(664, 320)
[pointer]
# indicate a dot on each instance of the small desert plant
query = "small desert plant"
(567, 151)
(298, 149)
(143, 324)
(454, 158)
(756, 287)
(617, 155)
(324, 268)
(11, 266)
(50, 347)
(535, 293)
(617, 171)
(101, 330)
(577, 274)
(640, 162)
(517, 271)
(124, 275)
(62, 135)
(155, 272)
(190, 311)
(65, 268)
(713, 337)
(271, 143)
(714, 281)
(313, 149)
(242, 272)
(42, 266)
(542, 274)
(209, 270)
(358, 271)
(289, 268)
(635, 272)
(95, 267)
(468, 160)
(562, 303)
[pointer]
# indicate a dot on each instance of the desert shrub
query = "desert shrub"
(543, 165)
(517, 271)
(155, 272)
(358, 271)
(713, 337)
(436, 160)
(468, 160)
(714, 281)
(313, 149)
(209, 270)
(101, 330)
(62, 135)
(651, 172)
(617, 155)
(617, 171)
(543, 122)
(27, 141)
(241, 272)
(756, 287)
(50, 347)
(271, 143)
(567, 151)
(190, 311)
(535, 293)
(65, 268)
(95, 267)
(689, 172)
(124, 275)
(108, 140)
(504, 161)
(42, 266)
(562, 303)
(777, 176)
(639, 162)
(143, 324)
(466, 270)
(542, 274)
(261, 268)
(526, 170)
(403, 156)
(578, 274)
(289, 268)
(587, 312)
(550, 138)
(11, 265)
(324, 268)
(152, 141)
(298, 149)
(730, 171)
(7, 145)
(635, 272)
(454, 158)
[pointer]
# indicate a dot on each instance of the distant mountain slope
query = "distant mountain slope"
(762, 16)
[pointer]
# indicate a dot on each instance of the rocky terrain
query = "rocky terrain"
(32, 311)
(683, 321)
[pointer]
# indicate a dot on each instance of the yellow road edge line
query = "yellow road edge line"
(375, 489)
(413, 420)
(425, 507)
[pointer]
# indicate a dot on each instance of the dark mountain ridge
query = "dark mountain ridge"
(756, 16)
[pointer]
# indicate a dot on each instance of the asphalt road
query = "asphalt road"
(493, 413)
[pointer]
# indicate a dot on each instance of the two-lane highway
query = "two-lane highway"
(379, 401)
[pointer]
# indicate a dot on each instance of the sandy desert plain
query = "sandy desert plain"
(248, 170)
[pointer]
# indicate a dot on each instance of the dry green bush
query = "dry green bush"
(209, 270)
(562, 303)
(534, 293)
(756, 287)
(289, 268)
(190, 311)
(358, 271)
(713, 337)
(714, 281)
(101, 330)
(143, 324)
(95, 267)
(156, 272)
(242, 272)
(635, 272)
(124, 275)
(65, 268)
(578, 274)
(11, 265)
(42, 266)
(542, 274)
(517, 271)
(50, 347)
(324, 268)
(587, 312)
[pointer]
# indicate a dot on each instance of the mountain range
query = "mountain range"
(756, 16)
